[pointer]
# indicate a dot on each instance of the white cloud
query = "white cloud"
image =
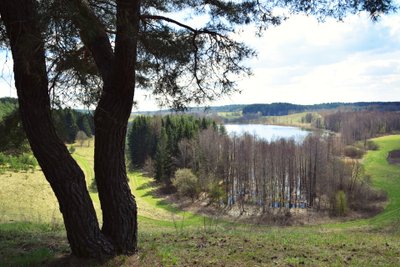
(303, 61)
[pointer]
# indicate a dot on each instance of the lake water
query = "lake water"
(268, 132)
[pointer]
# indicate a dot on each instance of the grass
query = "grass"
(170, 237)
(294, 119)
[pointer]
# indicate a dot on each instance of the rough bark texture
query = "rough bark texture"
(111, 119)
(64, 175)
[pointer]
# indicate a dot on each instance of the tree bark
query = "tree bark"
(64, 175)
(111, 120)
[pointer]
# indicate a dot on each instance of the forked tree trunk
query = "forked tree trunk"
(64, 175)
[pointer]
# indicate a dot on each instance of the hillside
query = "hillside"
(31, 231)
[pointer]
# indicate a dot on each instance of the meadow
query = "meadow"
(32, 233)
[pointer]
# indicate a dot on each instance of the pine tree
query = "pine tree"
(163, 162)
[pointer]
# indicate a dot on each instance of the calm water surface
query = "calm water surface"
(268, 132)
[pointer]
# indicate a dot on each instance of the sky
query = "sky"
(303, 61)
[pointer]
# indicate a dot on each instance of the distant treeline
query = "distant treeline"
(361, 125)
(280, 109)
(153, 142)
(67, 122)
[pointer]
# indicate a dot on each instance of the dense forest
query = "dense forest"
(68, 123)
(280, 109)
(153, 142)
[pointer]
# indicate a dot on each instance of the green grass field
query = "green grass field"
(31, 230)
(294, 119)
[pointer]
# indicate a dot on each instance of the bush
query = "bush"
(72, 149)
(216, 193)
(186, 183)
(340, 205)
(353, 152)
(93, 186)
(23, 162)
(371, 145)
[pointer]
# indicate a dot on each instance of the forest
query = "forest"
(68, 122)
(246, 170)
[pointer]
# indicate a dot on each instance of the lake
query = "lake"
(268, 132)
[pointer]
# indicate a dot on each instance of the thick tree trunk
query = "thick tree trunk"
(111, 119)
(117, 203)
(64, 175)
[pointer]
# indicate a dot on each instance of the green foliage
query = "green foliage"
(15, 163)
(371, 145)
(142, 140)
(84, 124)
(69, 122)
(216, 193)
(72, 149)
(186, 183)
(163, 163)
(12, 134)
(7, 106)
(340, 205)
(156, 139)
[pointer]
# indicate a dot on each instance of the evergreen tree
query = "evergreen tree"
(139, 141)
(163, 164)
(12, 137)
(71, 126)
(83, 124)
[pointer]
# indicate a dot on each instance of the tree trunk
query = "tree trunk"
(64, 175)
(111, 120)
(117, 203)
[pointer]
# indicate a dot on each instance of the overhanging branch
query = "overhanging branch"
(180, 24)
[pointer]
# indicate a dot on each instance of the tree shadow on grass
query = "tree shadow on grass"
(146, 185)
(30, 244)
(72, 261)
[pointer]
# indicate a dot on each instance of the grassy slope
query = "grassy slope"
(170, 237)
(289, 120)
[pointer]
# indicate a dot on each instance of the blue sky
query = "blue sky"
(306, 62)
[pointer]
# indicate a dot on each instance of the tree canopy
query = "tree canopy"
(187, 51)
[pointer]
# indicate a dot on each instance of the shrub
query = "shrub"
(216, 193)
(72, 149)
(186, 183)
(353, 152)
(93, 186)
(81, 137)
(23, 162)
(371, 145)
(340, 204)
